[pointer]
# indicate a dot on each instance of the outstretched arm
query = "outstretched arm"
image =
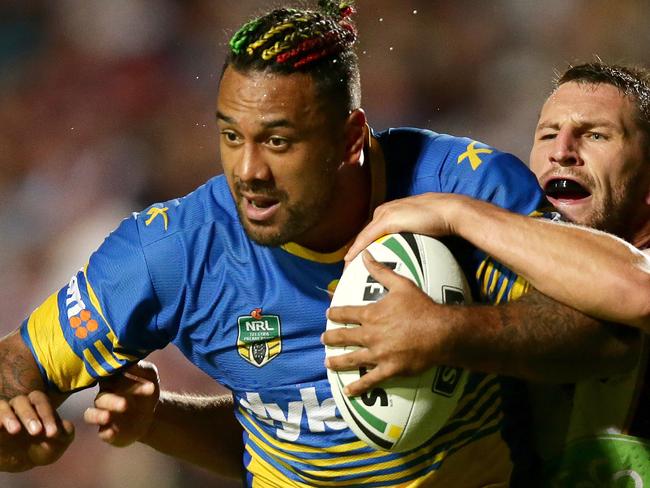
(594, 272)
(201, 430)
(533, 338)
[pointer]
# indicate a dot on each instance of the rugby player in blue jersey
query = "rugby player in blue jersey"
(237, 274)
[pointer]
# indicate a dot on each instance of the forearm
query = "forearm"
(537, 339)
(19, 373)
(200, 430)
(594, 272)
(31, 434)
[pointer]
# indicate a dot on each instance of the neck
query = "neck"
(349, 212)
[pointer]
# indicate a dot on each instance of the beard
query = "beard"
(296, 218)
(617, 213)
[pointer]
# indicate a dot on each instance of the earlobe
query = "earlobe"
(356, 134)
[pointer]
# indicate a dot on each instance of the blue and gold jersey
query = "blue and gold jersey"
(251, 317)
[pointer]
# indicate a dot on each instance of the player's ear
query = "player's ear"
(356, 133)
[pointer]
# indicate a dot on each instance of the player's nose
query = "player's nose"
(565, 149)
(252, 165)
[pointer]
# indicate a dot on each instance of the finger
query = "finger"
(8, 418)
(107, 434)
(144, 389)
(142, 371)
(27, 415)
(135, 380)
(382, 274)
(346, 314)
(111, 402)
(97, 416)
(373, 231)
(367, 382)
(349, 361)
(345, 336)
(46, 412)
(383, 222)
(122, 387)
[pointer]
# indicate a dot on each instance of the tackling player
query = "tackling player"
(237, 275)
(590, 154)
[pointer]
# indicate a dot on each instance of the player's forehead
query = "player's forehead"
(264, 96)
(591, 104)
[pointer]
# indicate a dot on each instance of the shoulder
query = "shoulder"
(208, 204)
(422, 160)
(423, 144)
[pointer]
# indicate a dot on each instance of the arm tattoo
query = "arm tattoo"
(18, 373)
(541, 318)
(557, 338)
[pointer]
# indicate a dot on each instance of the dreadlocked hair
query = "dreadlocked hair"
(633, 82)
(319, 42)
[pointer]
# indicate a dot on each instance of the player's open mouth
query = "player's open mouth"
(260, 208)
(566, 191)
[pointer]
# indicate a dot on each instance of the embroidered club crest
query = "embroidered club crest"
(259, 337)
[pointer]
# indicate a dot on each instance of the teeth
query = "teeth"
(261, 204)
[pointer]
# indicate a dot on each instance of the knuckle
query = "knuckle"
(19, 401)
(365, 314)
(35, 395)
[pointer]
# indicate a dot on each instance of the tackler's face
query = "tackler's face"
(280, 150)
(589, 156)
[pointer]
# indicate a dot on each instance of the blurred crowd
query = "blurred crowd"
(108, 105)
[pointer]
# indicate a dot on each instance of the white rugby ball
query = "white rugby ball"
(402, 413)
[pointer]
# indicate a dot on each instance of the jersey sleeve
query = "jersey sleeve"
(484, 173)
(101, 321)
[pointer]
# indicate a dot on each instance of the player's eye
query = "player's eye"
(596, 136)
(547, 136)
(231, 137)
(277, 142)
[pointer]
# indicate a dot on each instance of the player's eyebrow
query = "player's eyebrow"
(267, 124)
(225, 118)
(584, 124)
(547, 125)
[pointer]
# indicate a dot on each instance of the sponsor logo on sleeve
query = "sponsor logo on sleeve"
(472, 154)
(79, 317)
(154, 212)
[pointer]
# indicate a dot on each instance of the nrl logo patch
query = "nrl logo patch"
(259, 339)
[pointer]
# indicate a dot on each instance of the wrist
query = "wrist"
(149, 430)
(455, 211)
(472, 220)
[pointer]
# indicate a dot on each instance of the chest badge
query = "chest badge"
(259, 337)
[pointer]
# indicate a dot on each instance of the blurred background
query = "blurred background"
(108, 105)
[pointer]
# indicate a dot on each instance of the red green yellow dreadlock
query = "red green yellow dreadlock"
(315, 42)
(296, 38)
